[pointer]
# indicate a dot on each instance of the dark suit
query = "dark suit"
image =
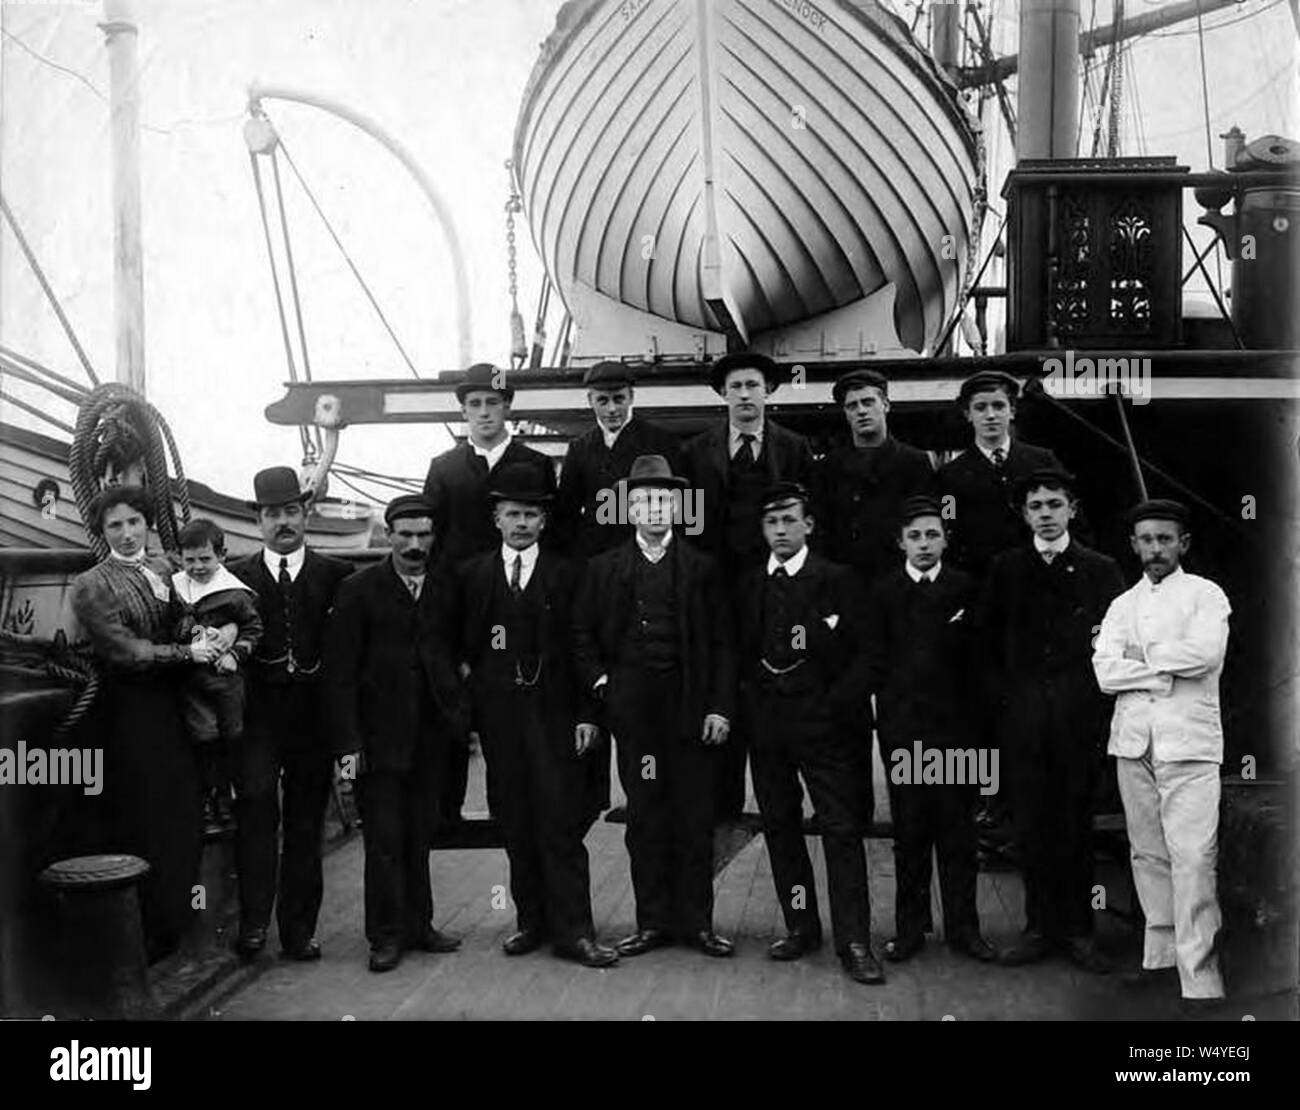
(856, 498)
(657, 717)
(986, 521)
(1035, 625)
(525, 708)
(395, 698)
(804, 722)
(731, 514)
(590, 468)
(457, 488)
(285, 739)
(921, 654)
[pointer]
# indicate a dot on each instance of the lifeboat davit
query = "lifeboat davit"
(747, 166)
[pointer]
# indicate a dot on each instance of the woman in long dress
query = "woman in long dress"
(151, 803)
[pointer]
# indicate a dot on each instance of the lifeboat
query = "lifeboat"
(746, 167)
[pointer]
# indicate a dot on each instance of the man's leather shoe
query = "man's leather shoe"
(974, 946)
(710, 943)
(1145, 978)
(385, 957)
(587, 952)
(1083, 952)
(1032, 948)
(434, 941)
(903, 948)
(304, 953)
(250, 943)
(861, 964)
(644, 940)
(793, 946)
(522, 942)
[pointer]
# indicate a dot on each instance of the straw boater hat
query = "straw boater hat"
(277, 485)
(483, 376)
(744, 360)
(519, 482)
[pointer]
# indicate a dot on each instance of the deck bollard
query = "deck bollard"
(101, 939)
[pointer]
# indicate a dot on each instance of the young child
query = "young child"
(211, 597)
(920, 651)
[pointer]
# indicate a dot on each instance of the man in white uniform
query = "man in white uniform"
(1161, 649)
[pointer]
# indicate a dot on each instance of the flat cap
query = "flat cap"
(744, 360)
(780, 494)
(1053, 477)
(409, 504)
(859, 379)
(913, 507)
(1159, 509)
(986, 381)
(483, 376)
(609, 374)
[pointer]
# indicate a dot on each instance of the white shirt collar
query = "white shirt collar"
(136, 560)
(1057, 546)
(1172, 576)
(646, 548)
(295, 558)
(916, 575)
(734, 434)
(611, 438)
(793, 565)
(987, 452)
(191, 592)
(492, 454)
(529, 555)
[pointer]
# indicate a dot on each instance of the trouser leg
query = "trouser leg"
(306, 784)
(648, 835)
(1150, 859)
(379, 797)
(417, 813)
(780, 805)
(955, 844)
(912, 850)
(692, 770)
(257, 808)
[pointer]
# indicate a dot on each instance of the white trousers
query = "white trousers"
(1172, 811)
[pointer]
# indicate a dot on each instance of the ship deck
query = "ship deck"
(480, 983)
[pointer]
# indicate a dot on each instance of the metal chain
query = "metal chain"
(518, 342)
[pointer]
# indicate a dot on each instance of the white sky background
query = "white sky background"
(445, 77)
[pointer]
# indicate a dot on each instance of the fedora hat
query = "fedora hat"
(654, 471)
(744, 360)
(483, 376)
(520, 482)
(277, 485)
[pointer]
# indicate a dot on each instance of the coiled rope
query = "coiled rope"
(58, 660)
(118, 428)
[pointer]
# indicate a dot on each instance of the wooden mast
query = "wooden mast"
(121, 36)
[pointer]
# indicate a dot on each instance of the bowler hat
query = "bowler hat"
(859, 379)
(484, 376)
(913, 507)
(607, 375)
(276, 485)
(744, 360)
(652, 470)
(409, 504)
(1053, 477)
(1159, 509)
(520, 482)
(986, 381)
(779, 494)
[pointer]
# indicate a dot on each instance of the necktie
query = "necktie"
(413, 584)
(516, 576)
(1048, 556)
(286, 599)
(780, 572)
(285, 580)
(926, 581)
(746, 452)
(999, 458)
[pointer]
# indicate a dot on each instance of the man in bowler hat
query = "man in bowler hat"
(397, 709)
(802, 662)
(514, 635)
(602, 456)
(653, 641)
(285, 748)
(456, 488)
(730, 465)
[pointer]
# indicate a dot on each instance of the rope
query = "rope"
(55, 659)
(514, 205)
(1116, 84)
(293, 270)
(119, 428)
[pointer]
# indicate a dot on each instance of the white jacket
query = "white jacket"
(1161, 650)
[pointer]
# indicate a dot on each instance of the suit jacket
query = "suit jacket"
(856, 498)
(1035, 625)
(457, 488)
(589, 468)
(604, 610)
(392, 689)
(920, 657)
(835, 643)
(785, 456)
(1169, 698)
(986, 521)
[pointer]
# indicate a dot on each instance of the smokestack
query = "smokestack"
(1047, 102)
